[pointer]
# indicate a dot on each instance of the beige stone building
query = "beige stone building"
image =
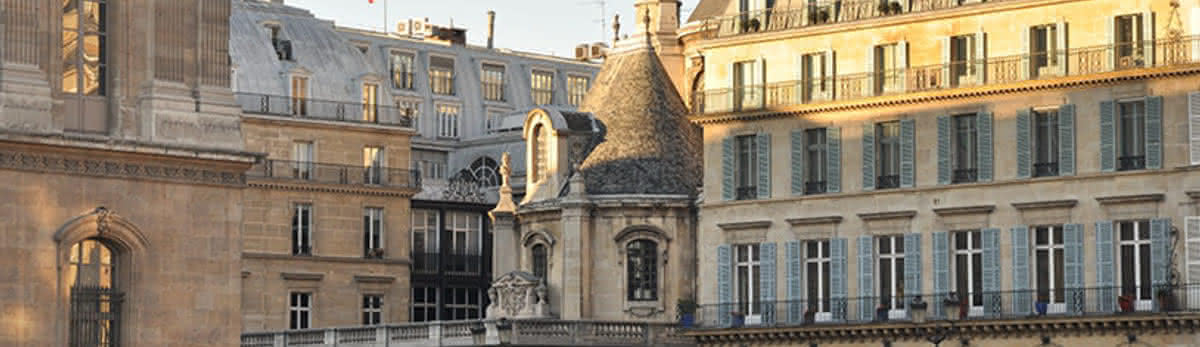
(121, 174)
(1000, 160)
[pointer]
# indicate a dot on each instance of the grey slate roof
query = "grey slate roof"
(649, 147)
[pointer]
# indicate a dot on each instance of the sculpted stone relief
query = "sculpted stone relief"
(518, 294)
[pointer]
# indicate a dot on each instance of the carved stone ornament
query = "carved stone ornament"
(518, 295)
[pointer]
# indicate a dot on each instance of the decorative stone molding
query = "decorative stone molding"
(56, 163)
(1048, 204)
(270, 183)
(641, 231)
(887, 215)
(815, 220)
(1130, 199)
(1193, 194)
(299, 276)
(734, 226)
(952, 211)
(518, 295)
(324, 259)
(374, 279)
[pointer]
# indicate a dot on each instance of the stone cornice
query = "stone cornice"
(887, 215)
(1130, 199)
(374, 279)
(1048, 204)
(815, 220)
(761, 224)
(951, 211)
(162, 170)
(267, 183)
(1107, 325)
(326, 259)
(301, 276)
(317, 123)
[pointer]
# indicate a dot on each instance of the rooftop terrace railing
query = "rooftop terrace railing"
(304, 171)
(948, 76)
(820, 13)
(335, 111)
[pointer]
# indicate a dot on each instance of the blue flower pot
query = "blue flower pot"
(1040, 306)
(687, 320)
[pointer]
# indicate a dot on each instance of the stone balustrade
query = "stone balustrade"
(533, 332)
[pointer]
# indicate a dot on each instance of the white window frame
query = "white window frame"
(975, 308)
(420, 224)
(411, 73)
(453, 83)
(820, 279)
(300, 311)
(483, 82)
(303, 213)
(299, 94)
(1049, 34)
(470, 226)
(372, 309)
(575, 93)
(746, 164)
(894, 256)
(370, 102)
(373, 228)
(815, 75)
(303, 158)
(1054, 303)
(751, 266)
(407, 106)
(883, 155)
(1140, 303)
(1041, 146)
(1139, 133)
(374, 164)
(448, 122)
(534, 91)
(816, 170)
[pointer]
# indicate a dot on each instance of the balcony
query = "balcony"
(301, 171)
(480, 333)
(887, 181)
(819, 13)
(999, 305)
(333, 111)
(965, 176)
(449, 263)
(1135, 162)
(993, 71)
(814, 187)
(746, 193)
(1045, 169)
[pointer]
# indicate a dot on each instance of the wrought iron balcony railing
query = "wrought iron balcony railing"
(336, 111)
(747, 193)
(979, 72)
(451, 263)
(335, 174)
(1097, 301)
(1045, 169)
(1135, 162)
(814, 187)
(818, 13)
(887, 182)
(965, 176)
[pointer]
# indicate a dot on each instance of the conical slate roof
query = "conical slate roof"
(649, 146)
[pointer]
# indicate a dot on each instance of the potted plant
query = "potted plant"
(1041, 304)
(738, 320)
(686, 308)
(916, 309)
(896, 8)
(1125, 302)
(1166, 299)
(951, 306)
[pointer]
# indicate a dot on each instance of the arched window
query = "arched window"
(539, 261)
(539, 154)
(486, 172)
(95, 295)
(641, 269)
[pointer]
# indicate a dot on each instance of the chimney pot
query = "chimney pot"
(491, 28)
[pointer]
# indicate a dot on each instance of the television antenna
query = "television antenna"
(603, 5)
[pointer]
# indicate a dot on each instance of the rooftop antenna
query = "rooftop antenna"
(603, 4)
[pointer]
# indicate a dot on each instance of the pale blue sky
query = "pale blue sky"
(543, 26)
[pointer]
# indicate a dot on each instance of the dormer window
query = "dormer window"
(538, 170)
(282, 47)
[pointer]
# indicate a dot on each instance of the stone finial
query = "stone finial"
(616, 28)
(518, 295)
(505, 206)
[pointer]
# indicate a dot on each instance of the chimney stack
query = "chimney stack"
(491, 28)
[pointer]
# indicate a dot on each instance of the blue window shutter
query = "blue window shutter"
(1073, 267)
(991, 271)
(798, 162)
(727, 169)
(763, 144)
(912, 266)
(1022, 302)
(766, 281)
(1024, 147)
(1154, 132)
(1160, 252)
(837, 278)
(833, 160)
(866, 285)
(1105, 271)
(941, 270)
(1108, 137)
(868, 157)
(1066, 140)
(795, 290)
(984, 146)
(943, 149)
(724, 283)
(908, 151)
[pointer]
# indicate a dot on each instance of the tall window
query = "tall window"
(1045, 143)
(84, 47)
(962, 59)
(493, 82)
(1048, 253)
(300, 310)
(1043, 49)
(887, 155)
(441, 75)
(462, 303)
(815, 78)
(299, 96)
(887, 68)
(641, 270)
(410, 109)
(464, 228)
(370, 102)
(816, 266)
(1131, 128)
(539, 259)
(747, 78)
(486, 172)
(542, 87)
(425, 226)
(424, 304)
(447, 120)
(1129, 40)
(373, 232)
(373, 170)
(814, 141)
(302, 157)
(372, 309)
(964, 149)
(577, 87)
(968, 269)
(746, 270)
(539, 153)
(95, 296)
(302, 229)
(746, 159)
(402, 70)
(891, 271)
(1135, 261)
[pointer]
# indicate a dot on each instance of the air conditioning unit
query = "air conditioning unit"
(583, 52)
(599, 50)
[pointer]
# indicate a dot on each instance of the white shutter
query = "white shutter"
(1192, 257)
(1194, 126)
(1148, 37)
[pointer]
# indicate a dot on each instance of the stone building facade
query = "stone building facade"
(122, 167)
(1001, 160)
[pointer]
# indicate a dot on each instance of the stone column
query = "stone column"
(576, 251)
(506, 248)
